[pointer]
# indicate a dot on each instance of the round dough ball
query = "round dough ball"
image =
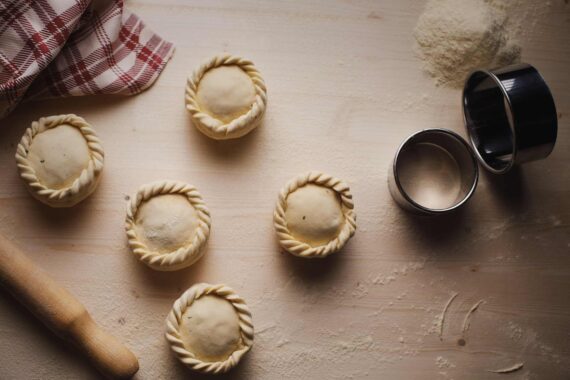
(166, 222)
(226, 97)
(60, 159)
(58, 156)
(210, 329)
(314, 214)
(226, 92)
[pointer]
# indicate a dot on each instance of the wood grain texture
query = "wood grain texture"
(344, 90)
(62, 313)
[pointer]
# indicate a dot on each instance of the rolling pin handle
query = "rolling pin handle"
(60, 311)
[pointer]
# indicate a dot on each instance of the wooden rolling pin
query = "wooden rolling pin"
(62, 313)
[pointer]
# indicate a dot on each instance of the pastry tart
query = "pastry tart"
(209, 328)
(314, 216)
(168, 225)
(60, 158)
(226, 97)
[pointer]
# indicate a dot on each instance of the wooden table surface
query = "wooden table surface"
(344, 90)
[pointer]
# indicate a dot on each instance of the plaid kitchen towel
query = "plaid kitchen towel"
(53, 48)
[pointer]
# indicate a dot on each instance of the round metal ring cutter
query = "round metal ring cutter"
(450, 147)
(510, 116)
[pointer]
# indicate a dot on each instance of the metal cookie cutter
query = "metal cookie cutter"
(434, 171)
(510, 116)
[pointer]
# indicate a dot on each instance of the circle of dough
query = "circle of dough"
(314, 214)
(338, 232)
(238, 120)
(229, 355)
(166, 222)
(225, 92)
(68, 178)
(157, 246)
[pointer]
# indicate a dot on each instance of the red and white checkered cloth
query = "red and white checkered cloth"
(53, 48)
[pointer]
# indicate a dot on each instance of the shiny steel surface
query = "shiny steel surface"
(457, 148)
(510, 116)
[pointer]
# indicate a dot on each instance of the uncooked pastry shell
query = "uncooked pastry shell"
(83, 185)
(174, 320)
(187, 254)
(239, 126)
(302, 249)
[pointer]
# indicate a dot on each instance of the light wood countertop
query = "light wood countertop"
(344, 90)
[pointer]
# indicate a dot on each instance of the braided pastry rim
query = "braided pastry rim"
(302, 249)
(83, 185)
(184, 255)
(243, 124)
(175, 317)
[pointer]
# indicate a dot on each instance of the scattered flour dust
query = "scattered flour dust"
(410, 267)
(359, 291)
(515, 331)
(293, 358)
(442, 362)
(456, 36)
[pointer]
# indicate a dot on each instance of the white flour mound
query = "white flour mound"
(456, 36)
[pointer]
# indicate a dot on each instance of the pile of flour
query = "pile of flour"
(456, 36)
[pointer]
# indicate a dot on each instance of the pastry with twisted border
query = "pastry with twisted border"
(314, 215)
(168, 225)
(226, 97)
(60, 159)
(210, 328)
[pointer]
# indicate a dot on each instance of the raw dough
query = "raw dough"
(226, 92)
(168, 225)
(59, 155)
(226, 97)
(60, 159)
(166, 222)
(314, 215)
(210, 328)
